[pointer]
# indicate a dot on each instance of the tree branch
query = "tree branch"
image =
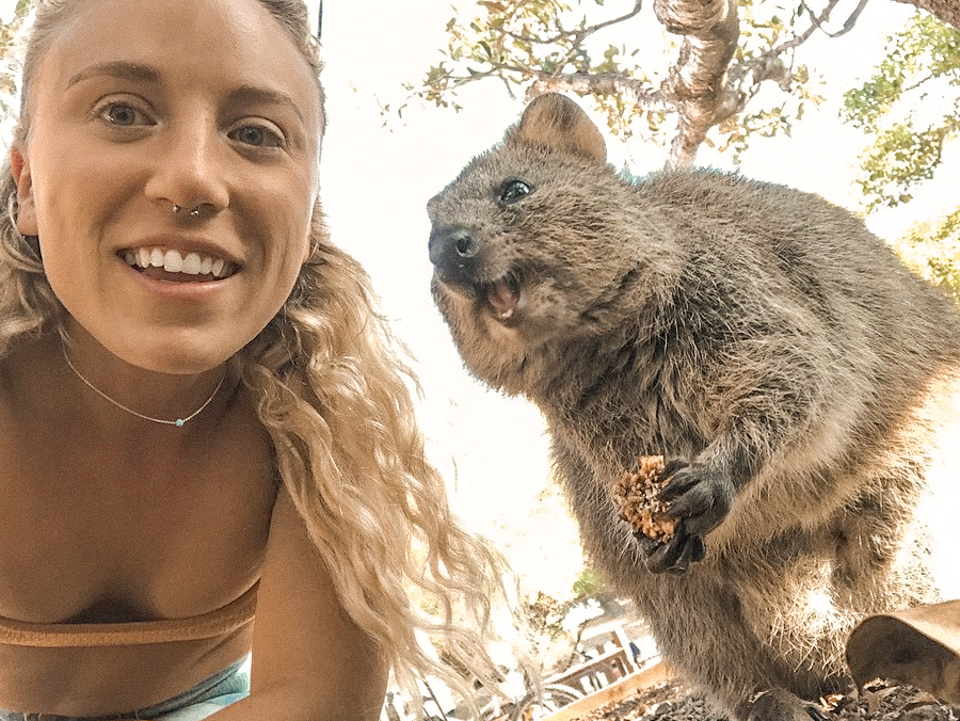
(605, 84)
(816, 23)
(744, 78)
(702, 87)
(576, 37)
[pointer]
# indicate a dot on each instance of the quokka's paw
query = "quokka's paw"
(699, 498)
(674, 556)
(781, 705)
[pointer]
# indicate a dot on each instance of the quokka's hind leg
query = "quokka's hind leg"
(701, 629)
(779, 705)
(882, 548)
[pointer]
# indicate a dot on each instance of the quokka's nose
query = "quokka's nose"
(453, 249)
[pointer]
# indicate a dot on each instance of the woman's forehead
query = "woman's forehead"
(184, 41)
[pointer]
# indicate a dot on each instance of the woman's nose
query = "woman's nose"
(190, 168)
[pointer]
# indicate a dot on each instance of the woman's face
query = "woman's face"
(140, 106)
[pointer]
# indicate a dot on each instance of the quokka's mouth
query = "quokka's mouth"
(502, 296)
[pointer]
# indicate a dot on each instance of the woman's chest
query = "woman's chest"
(134, 536)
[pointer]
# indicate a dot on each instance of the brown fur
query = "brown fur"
(761, 335)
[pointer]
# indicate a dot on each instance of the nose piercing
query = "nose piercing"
(195, 213)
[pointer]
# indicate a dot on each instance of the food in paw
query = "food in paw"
(635, 495)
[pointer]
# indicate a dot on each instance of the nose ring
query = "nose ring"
(195, 213)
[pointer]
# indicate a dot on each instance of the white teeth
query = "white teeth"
(173, 261)
(191, 264)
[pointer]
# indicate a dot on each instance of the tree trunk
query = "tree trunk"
(697, 81)
(947, 11)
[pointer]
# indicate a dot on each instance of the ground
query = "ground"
(880, 701)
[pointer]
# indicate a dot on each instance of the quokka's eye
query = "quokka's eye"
(513, 190)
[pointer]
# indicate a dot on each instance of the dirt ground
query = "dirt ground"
(879, 702)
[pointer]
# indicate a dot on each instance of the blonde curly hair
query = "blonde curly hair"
(334, 393)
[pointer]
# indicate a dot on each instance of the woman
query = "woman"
(200, 413)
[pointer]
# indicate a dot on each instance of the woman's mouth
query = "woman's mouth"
(171, 264)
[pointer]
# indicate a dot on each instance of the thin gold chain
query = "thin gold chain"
(179, 422)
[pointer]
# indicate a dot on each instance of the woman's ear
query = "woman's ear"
(26, 210)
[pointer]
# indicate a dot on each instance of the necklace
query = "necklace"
(179, 422)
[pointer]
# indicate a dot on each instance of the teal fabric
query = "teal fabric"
(204, 699)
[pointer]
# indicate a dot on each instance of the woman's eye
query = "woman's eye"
(257, 136)
(123, 115)
(513, 190)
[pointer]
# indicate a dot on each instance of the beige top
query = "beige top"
(62, 635)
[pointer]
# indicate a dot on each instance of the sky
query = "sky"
(377, 174)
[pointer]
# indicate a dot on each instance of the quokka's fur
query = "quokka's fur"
(760, 334)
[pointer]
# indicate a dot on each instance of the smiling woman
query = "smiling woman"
(202, 416)
(121, 119)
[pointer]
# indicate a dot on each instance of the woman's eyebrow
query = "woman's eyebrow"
(122, 69)
(253, 94)
(140, 73)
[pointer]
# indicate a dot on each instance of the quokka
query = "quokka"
(793, 371)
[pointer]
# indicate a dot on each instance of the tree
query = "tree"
(947, 11)
(728, 52)
(911, 108)
(934, 250)
(8, 64)
(923, 60)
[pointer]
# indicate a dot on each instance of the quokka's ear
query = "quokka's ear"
(556, 122)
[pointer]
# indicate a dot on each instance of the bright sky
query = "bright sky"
(376, 183)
